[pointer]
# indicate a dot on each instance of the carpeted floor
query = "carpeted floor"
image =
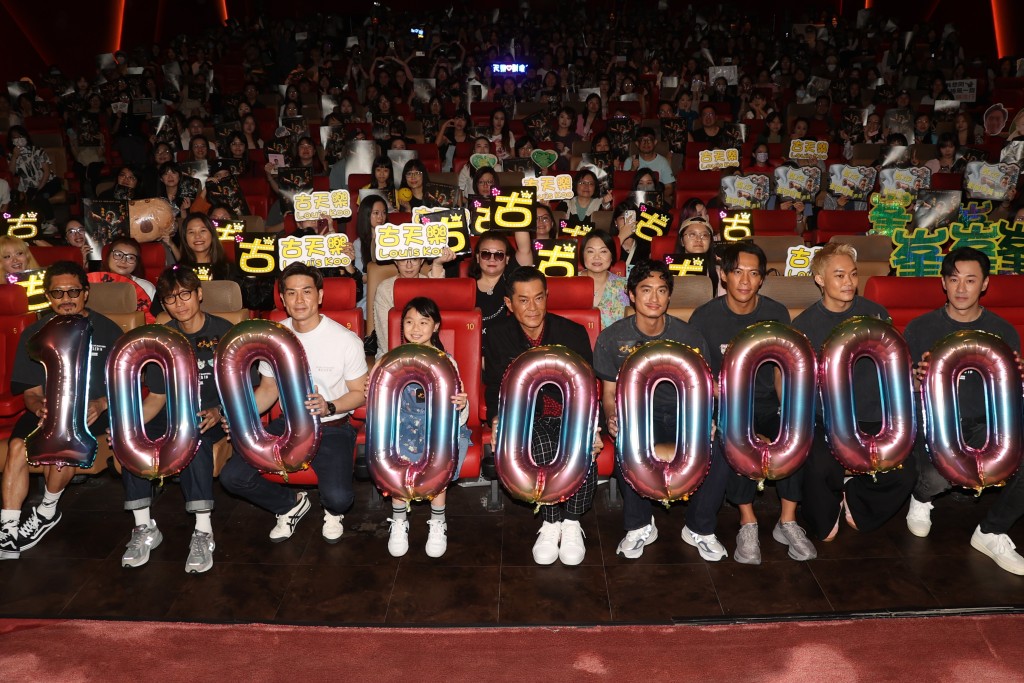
(950, 648)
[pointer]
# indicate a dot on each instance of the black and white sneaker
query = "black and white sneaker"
(9, 548)
(34, 528)
(287, 522)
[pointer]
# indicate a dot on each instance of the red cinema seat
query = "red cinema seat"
(773, 222)
(258, 204)
(947, 181)
(339, 304)
(450, 294)
(570, 292)
(47, 256)
(832, 223)
(154, 259)
(662, 247)
(905, 297)
(14, 318)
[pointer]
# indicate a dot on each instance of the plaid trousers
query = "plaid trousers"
(544, 443)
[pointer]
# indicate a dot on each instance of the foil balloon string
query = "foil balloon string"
(394, 473)
(685, 369)
(995, 461)
(250, 341)
(174, 450)
(521, 475)
(64, 348)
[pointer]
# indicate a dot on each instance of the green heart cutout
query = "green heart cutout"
(481, 160)
(545, 158)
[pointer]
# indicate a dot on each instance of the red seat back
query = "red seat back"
(450, 294)
(339, 304)
(905, 297)
(154, 259)
(570, 292)
(14, 318)
(831, 223)
(47, 256)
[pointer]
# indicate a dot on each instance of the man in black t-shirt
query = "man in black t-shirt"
(650, 287)
(530, 325)
(67, 291)
(743, 267)
(179, 290)
(869, 501)
(964, 278)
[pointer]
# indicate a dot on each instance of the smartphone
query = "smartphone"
(629, 216)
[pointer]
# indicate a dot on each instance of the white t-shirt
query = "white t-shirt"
(335, 356)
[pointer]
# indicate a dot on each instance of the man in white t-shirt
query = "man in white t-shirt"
(338, 369)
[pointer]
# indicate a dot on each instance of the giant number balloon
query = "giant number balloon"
(518, 471)
(63, 346)
(174, 450)
(687, 371)
(856, 338)
(394, 474)
(762, 343)
(999, 458)
(246, 343)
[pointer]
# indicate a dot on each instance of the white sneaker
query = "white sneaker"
(632, 546)
(333, 528)
(572, 549)
(398, 541)
(437, 538)
(919, 517)
(1000, 548)
(287, 522)
(545, 549)
(709, 547)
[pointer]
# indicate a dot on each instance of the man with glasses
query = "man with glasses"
(180, 292)
(67, 291)
(648, 158)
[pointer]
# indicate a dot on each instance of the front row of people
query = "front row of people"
(826, 494)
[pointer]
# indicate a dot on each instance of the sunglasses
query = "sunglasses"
(491, 255)
(59, 293)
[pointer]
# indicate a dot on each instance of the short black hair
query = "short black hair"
(299, 268)
(65, 268)
(731, 256)
(174, 277)
(965, 254)
(645, 130)
(607, 240)
(645, 269)
(523, 274)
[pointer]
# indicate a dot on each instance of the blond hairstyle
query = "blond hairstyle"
(831, 249)
(21, 248)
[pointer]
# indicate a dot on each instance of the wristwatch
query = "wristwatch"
(331, 409)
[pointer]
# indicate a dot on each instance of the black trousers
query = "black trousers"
(872, 501)
(740, 490)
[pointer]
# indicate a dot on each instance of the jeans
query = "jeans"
(332, 465)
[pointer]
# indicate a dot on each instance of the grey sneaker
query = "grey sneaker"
(708, 545)
(144, 539)
(748, 547)
(791, 534)
(632, 546)
(200, 553)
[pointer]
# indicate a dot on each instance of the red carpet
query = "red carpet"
(982, 648)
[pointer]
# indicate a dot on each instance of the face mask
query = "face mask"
(761, 157)
(20, 142)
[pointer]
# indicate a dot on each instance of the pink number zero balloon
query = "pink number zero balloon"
(518, 472)
(174, 450)
(857, 338)
(394, 474)
(246, 343)
(793, 352)
(999, 458)
(64, 347)
(686, 369)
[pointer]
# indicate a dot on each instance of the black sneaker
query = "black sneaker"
(9, 548)
(34, 528)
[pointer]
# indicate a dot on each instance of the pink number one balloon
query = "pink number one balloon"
(688, 372)
(793, 353)
(1000, 456)
(250, 341)
(518, 472)
(857, 338)
(174, 450)
(63, 346)
(392, 472)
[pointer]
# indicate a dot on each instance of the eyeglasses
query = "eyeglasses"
(122, 256)
(585, 183)
(59, 293)
(697, 236)
(184, 295)
(492, 255)
(414, 174)
(544, 219)
(75, 231)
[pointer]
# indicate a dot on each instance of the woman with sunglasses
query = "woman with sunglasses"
(490, 266)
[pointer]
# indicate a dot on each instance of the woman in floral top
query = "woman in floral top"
(598, 255)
